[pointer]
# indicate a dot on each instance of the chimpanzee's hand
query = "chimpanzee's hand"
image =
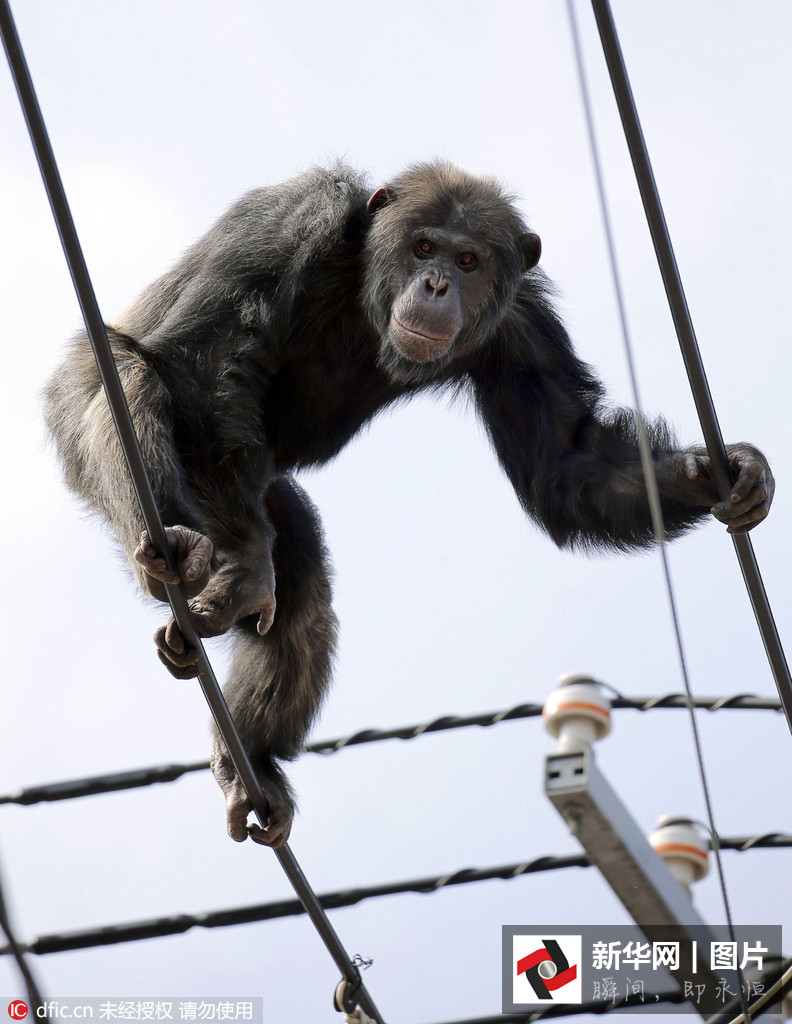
(276, 790)
(751, 493)
(192, 555)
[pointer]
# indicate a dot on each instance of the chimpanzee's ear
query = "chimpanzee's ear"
(531, 246)
(380, 198)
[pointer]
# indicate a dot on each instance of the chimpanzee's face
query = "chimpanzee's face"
(444, 278)
(445, 253)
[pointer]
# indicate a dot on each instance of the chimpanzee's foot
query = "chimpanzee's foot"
(192, 555)
(238, 807)
(230, 595)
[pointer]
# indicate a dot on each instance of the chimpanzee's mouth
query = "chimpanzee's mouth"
(442, 339)
(418, 346)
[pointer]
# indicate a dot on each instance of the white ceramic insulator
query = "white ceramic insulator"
(578, 712)
(683, 849)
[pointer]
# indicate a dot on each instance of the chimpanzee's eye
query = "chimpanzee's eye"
(467, 261)
(424, 248)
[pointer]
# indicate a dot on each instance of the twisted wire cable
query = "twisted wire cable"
(177, 924)
(113, 782)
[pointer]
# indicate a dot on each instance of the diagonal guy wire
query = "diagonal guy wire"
(17, 951)
(688, 344)
(145, 495)
(696, 376)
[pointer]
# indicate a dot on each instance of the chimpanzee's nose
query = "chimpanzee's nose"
(436, 283)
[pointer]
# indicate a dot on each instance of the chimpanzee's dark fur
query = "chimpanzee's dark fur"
(308, 308)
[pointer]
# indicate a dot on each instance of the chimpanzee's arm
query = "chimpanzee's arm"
(576, 466)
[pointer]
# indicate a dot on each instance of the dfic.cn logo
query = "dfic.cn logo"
(17, 1010)
(546, 968)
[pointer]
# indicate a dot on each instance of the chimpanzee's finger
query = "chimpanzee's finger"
(237, 810)
(198, 556)
(153, 565)
(750, 473)
(174, 638)
(729, 512)
(746, 522)
(266, 615)
(691, 466)
(277, 831)
(170, 643)
(188, 672)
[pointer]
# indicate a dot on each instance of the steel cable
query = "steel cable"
(145, 495)
(177, 924)
(113, 782)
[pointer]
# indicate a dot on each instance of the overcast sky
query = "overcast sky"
(451, 602)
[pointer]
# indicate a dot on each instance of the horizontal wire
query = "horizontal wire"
(138, 778)
(766, 1000)
(760, 1005)
(177, 924)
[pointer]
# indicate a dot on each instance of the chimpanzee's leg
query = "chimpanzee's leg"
(278, 680)
(81, 425)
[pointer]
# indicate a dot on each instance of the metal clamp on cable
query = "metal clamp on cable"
(345, 996)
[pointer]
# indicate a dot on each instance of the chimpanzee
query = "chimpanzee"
(304, 311)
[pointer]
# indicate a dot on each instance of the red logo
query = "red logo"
(547, 969)
(17, 1010)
